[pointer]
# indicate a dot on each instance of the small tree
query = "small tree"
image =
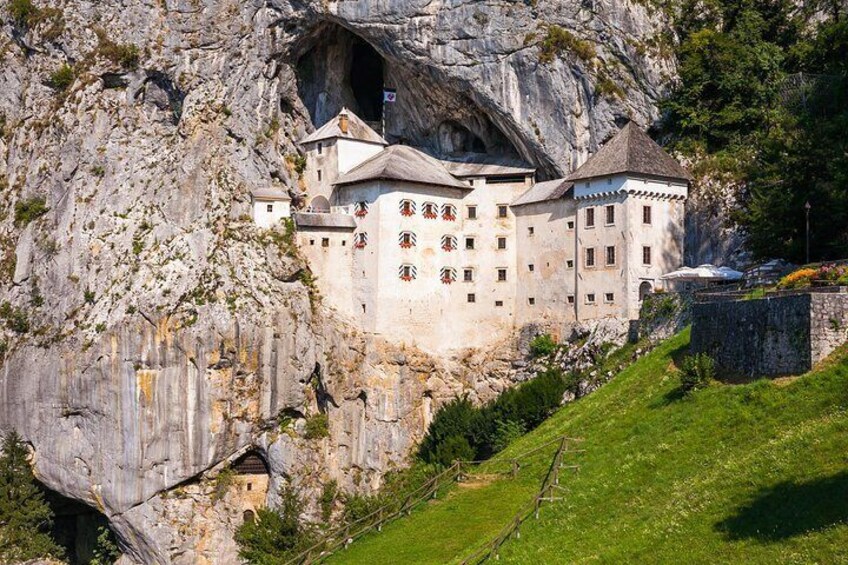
(542, 345)
(25, 517)
(276, 535)
(696, 372)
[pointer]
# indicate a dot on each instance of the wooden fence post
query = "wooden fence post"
(514, 468)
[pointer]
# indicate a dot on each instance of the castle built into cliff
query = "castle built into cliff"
(448, 254)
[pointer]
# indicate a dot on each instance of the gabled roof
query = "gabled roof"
(543, 191)
(483, 165)
(270, 194)
(631, 151)
(402, 163)
(356, 129)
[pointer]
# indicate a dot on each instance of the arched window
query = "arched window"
(644, 290)
(319, 204)
(407, 272)
(407, 239)
(360, 209)
(449, 212)
(249, 516)
(431, 211)
(407, 208)
(447, 275)
(360, 240)
(448, 243)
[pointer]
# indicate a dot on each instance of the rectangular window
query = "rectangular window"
(590, 217)
(311, 242)
(501, 275)
(646, 215)
(610, 255)
(320, 148)
(407, 271)
(472, 212)
(406, 239)
(344, 243)
(569, 263)
(590, 257)
(270, 207)
(646, 255)
(570, 224)
(570, 299)
(498, 303)
(501, 243)
(472, 298)
(469, 243)
(530, 267)
(590, 298)
(610, 215)
(319, 175)
(609, 298)
(325, 242)
(468, 275)
(502, 208)
(531, 301)
(531, 231)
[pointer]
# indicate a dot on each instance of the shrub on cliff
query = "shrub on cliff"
(696, 372)
(275, 536)
(25, 517)
(542, 345)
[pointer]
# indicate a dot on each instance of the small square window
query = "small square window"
(501, 275)
(531, 267)
(590, 257)
(646, 255)
(570, 224)
(325, 242)
(472, 212)
(319, 175)
(498, 303)
(569, 263)
(502, 210)
(590, 298)
(570, 299)
(531, 230)
(468, 275)
(590, 217)
(610, 211)
(531, 301)
(610, 255)
(269, 207)
(609, 297)
(311, 242)
(472, 298)
(501, 243)
(469, 243)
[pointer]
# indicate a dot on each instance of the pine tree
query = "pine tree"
(25, 517)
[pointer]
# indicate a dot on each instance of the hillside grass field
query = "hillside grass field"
(752, 473)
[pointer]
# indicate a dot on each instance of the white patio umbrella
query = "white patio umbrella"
(703, 273)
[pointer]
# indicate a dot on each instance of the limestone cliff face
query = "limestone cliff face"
(151, 332)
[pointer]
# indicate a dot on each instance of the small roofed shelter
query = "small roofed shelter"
(270, 205)
(250, 483)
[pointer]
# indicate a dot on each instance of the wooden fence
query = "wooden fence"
(346, 534)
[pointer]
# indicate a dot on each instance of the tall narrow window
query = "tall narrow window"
(325, 242)
(448, 243)
(610, 211)
(468, 275)
(610, 255)
(590, 257)
(469, 243)
(360, 209)
(360, 240)
(502, 210)
(501, 275)
(406, 239)
(320, 149)
(270, 207)
(407, 208)
(448, 212)
(501, 243)
(472, 212)
(590, 217)
(646, 215)
(319, 175)
(429, 211)
(447, 275)
(407, 272)
(646, 255)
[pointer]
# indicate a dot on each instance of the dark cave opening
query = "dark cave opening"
(76, 527)
(366, 80)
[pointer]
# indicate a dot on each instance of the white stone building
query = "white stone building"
(446, 255)
(270, 205)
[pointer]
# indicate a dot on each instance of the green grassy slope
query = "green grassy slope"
(754, 473)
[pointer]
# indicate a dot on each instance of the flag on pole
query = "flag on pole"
(389, 95)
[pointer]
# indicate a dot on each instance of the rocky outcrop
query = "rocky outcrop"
(150, 332)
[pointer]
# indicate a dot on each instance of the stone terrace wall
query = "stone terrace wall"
(772, 336)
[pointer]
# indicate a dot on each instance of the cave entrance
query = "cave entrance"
(76, 527)
(366, 80)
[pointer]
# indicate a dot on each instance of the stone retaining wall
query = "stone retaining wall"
(772, 336)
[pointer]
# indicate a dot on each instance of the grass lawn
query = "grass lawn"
(754, 473)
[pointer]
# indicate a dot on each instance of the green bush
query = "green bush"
(696, 372)
(558, 40)
(542, 345)
(222, 483)
(452, 419)
(275, 536)
(29, 210)
(106, 549)
(506, 431)
(61, 78)
(328, 499)
(317, 426)
(16, 318)
(453, 448)
(22, 12)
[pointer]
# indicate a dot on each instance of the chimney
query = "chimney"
(343, 121)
